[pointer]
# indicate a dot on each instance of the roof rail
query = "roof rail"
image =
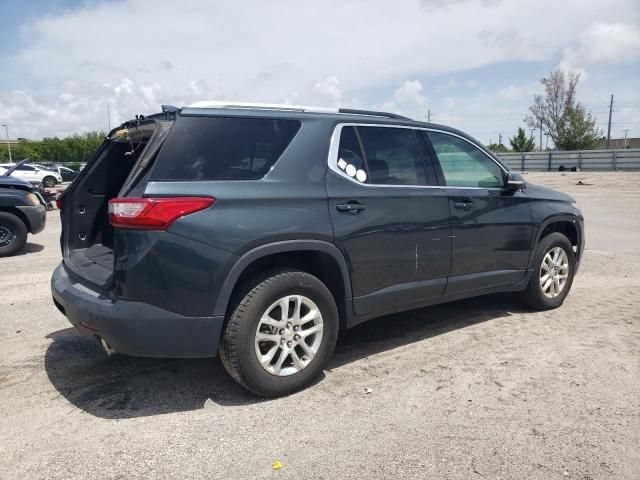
(372, 113)
(291, 108)
(262, 106)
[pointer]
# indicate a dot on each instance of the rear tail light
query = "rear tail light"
(153, 213)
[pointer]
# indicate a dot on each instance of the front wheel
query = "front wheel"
(13, 234)
(281, 333)
(554, 266)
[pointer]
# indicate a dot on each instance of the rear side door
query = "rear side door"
(390, 219)
(491, 227)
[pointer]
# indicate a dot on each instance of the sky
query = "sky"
(475, 64)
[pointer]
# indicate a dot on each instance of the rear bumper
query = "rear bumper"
(36, 217)
(134, 328)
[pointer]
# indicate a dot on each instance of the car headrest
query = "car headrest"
(378, 171)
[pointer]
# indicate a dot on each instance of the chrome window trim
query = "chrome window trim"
(334, 146)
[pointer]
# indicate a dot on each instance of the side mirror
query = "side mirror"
(515, 182)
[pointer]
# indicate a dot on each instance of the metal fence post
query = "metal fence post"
(580, 159)
(522, 163)
(613, 161)
(549, 164)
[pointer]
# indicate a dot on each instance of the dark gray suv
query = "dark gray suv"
(260, 232)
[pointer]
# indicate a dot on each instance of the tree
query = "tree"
(520, 143)
(497, 148)
(75, 148)
(578, 132)
(566, 120)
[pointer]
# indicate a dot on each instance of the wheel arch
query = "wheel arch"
(567, 224)
(316, 257)
(23, 218)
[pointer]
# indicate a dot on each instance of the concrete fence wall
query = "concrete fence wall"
(603, 160)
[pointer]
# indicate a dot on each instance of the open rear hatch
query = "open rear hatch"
(118, 167)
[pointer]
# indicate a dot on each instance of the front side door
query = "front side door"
(491, 227)
(27, 173)
(392, 226)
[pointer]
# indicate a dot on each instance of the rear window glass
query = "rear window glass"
(222, 148)
(350, 157)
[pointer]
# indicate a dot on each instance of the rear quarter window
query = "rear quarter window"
(223, 148)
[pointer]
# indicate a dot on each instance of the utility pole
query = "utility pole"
(429, 115)
(609, 128)
(546, 146)
(500, 138)
(626, 130)
(540, 134)
(6, 128)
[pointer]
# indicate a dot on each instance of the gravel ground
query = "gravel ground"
(476, 389)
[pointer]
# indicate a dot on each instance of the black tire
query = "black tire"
(49, 181)
(13, 234)
(533, 295)
(237, 348)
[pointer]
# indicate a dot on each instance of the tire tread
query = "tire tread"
(532, 296)
(20, 231)
(231, 338)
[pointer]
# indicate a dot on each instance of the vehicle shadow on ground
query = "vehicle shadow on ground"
(30, 248)
(126, 387)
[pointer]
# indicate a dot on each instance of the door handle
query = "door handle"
(352, 208)
(464, 205)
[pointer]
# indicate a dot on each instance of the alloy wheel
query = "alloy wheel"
(289, 335)
(554, 272)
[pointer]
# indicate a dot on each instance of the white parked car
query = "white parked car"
(33, 174)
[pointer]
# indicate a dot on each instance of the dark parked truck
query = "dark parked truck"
(259, 232)
(22, 211)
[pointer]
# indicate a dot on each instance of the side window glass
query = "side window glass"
(464, 165)
(393, 156)
(223, 148)
(350, 158)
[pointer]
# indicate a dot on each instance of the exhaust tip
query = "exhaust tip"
(107, 348)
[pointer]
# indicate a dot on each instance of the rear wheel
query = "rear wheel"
(281, 333)
(13, 234)
(49, 181)
(554, 267)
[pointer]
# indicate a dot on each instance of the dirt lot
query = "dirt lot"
(477, 389)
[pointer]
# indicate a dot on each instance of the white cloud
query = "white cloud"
(69, 66)
(446, 86)
(604, 43)
(409, 92)
(327, 91)
(511, 93)
(450, 103)
(514, 43)
(407, 100)
(471, 83)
